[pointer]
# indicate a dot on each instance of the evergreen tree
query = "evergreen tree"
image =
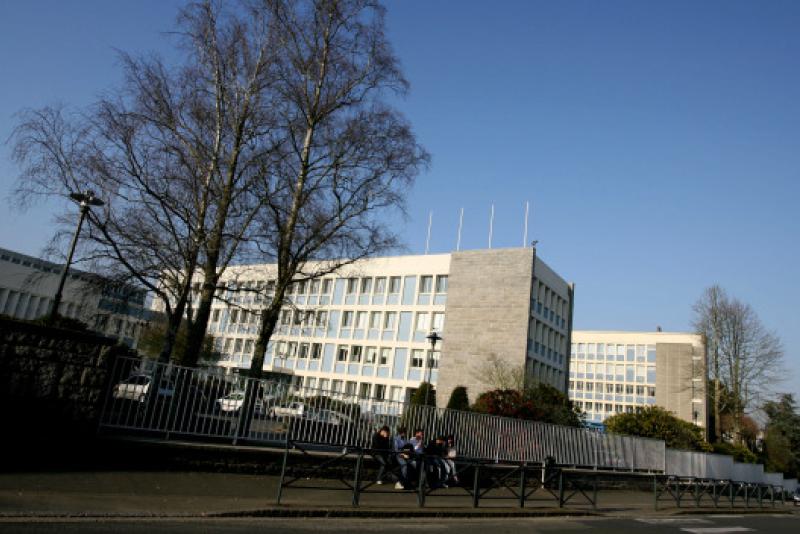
(458, 399)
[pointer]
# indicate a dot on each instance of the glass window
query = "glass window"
(620, 353)
(361, 320)
(389, 320)
(651, 375)
(234, 316)
(347, 319)
(422, 322)
(292, 349)
(366, 286)
(640, 353)
(394, 284)
(326, 286)
(315, 287)
(629, 373)
(384, 360)
(342, 353)
(380, 391)
(380, 285)
(322, 318)
(433, 359)
(416, 358)
(303, 351)
(630, 353)
(618, 389)
(352, 286)
(363, 390)
(651, 353)
(425, 284)
(248, 346)
(628, 389)
(438, 322)
(441, 284)
(301, 287)
(651, 392)
(375, 320)
(371, 354)
(355, 353)
(237, 347)
(316, 351)
(298, 317)
(215, 316)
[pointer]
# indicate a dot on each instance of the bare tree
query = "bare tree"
(348, 157)
(746, 358)
(177, 153)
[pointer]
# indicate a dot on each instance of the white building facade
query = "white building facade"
(618, 372)
(28, 285)
(364, 330)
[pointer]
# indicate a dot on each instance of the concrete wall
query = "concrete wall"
(677, 365)
(488, 306)
(52, 379)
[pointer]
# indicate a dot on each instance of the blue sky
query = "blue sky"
(656, 141)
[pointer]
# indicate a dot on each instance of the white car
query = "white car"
(292, 409)
(233, 401)
(330, 417)
(135, 388)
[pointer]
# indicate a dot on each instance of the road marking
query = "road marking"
(716, 530)
(675, 521)
(723, 516)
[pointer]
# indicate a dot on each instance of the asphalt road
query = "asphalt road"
(707, 524)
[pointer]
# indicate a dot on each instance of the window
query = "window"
(619, 389)
(363, 390)
(237, 347)
(433, 359)
(347, 319)
(416, 358)
(609, 388)
(389, 320)
(309, 320)
(422, 322)
(630, 352)
(355, 353)
(651, 353)
(438, 322)
(350, 388)
(326, 286)
(361, 319)
(303, 351)
(286, 317)
(628, 389)
(298, 318)
(425, 284)
(352, 286)
(301, 287)
(215, 316)
(322, 318)
(374, 320)
(384, 360)
(651, 375)
(316, 351)
(380, 286)
(371, 354)
(640, 390)
(292, 349)
(234, 316)
(324, 384)
(248, 346)
(441, 284)
(314, 287)
(341, 355)
(366, 286)
(651, 392)
(394, 284)
(380, 391)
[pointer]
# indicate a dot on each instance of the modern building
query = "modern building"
(616, 372)
(28, 284)
(364, 330)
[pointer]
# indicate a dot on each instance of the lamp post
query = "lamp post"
(85, 201)
(433, 337)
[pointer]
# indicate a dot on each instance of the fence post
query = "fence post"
(655, 492)
(421, 480)
(283, 471)
(357, 477)
(522, 485)
(560, 488)
(476, 485)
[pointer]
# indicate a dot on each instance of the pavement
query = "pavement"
(185, 495)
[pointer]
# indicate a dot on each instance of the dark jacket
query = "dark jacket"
(381, 443)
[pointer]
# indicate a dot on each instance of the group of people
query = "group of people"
(413, 456)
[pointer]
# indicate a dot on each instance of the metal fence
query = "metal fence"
(172, 401)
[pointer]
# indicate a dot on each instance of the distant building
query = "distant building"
(363, 329)
(615, 372)
(28, 284)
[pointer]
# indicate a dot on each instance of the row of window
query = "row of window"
(619, 389)
(606, 407)
(362, 286)
(614, 352)
(285, 350)
(365, 390)
(616, 372)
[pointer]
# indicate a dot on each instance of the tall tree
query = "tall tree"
(746, 358)
(348, 156)
(782, 435)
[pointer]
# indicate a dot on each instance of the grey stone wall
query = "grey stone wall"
(674, 373)
(53, 378)
(488, 307)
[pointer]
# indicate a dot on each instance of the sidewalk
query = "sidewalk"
(191, 494)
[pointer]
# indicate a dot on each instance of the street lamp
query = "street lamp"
(85, 201)
(433, 337)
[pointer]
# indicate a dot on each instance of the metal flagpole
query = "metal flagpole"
(460, 224)
(525, 236)
(491, 226)
(428, 239)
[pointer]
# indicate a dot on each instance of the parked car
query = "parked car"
(291, 409)
(136, 387)
(233, 401)
(330, 417)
